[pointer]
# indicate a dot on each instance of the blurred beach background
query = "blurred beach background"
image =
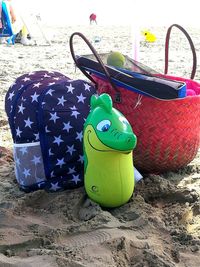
(127, 12)
(160, 225)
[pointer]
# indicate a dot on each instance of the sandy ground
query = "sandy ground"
(158, 227)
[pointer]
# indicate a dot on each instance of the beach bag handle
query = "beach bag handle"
(191, 46)
(117, 98)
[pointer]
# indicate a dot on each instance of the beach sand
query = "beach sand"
(158, 227)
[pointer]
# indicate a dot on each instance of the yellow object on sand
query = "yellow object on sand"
(24, 31)
(149, 37)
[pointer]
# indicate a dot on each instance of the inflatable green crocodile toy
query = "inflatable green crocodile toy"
(108, 142)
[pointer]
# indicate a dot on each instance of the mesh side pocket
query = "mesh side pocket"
(29, 167)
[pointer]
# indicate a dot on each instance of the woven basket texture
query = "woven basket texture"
(168, 132)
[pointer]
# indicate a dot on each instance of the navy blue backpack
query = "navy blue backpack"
(46, 112)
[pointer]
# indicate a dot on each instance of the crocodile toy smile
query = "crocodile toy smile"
(108, 163)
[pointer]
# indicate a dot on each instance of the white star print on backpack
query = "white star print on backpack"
(46, 112)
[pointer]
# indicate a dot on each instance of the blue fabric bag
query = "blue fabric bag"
(46, 112)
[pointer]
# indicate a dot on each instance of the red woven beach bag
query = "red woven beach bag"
(168, 131)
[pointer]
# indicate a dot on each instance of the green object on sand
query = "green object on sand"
(108, 161)
(116, 59)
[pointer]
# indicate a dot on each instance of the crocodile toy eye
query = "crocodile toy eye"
(123, 120)
(103, 126)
